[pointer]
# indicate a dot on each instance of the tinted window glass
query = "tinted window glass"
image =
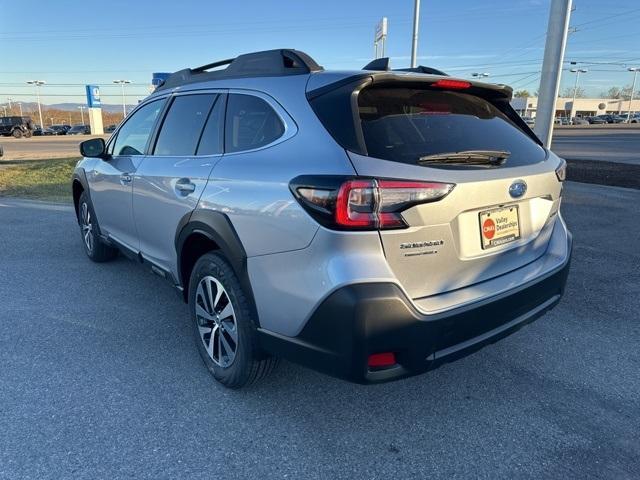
(403, 124)
(132, 137)
(212, 136)
(183, 124)
(251, 123)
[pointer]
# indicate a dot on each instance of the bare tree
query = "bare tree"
(623, 93)
(568, 92)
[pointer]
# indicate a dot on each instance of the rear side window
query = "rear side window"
(212, 138)
(183, 125)
(405, 124)
(251, 123)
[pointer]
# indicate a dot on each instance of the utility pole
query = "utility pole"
(122, 83)
(414, 41)
(577, 71)
(633, 87)
(557, 29)
(38, 84)
(81, 107)
(10, 105)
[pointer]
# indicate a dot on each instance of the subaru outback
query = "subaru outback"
(369, 224)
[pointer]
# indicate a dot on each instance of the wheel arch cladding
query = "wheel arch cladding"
(78, 185)
(203, 231)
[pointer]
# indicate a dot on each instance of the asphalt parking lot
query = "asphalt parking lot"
(100, 378)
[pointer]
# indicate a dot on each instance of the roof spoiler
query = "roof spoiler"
(384, 65)
(268, 63)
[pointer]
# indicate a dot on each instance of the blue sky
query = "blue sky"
(70, 43)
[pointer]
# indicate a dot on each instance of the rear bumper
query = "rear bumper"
(358, 320)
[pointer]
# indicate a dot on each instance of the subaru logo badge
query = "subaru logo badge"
(518, 188)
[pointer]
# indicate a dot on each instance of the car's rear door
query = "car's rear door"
(500, 214)
(170, 180)
(111, 180)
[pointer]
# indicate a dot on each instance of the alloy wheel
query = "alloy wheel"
(216, 321)
(87, 226)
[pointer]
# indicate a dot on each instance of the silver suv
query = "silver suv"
(369, 224)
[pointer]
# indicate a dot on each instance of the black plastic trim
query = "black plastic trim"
(358, 320)
(217, 227)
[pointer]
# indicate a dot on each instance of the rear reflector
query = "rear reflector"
(451, 84)
(386, 359)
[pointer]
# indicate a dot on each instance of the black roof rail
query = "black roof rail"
(269, 63)
(383, 65)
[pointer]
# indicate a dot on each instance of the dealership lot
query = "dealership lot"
(100, 377)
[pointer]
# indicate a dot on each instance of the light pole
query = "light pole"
(5, 110)
(635, 71)
(10, 105)
(480, 75)
(38, 84)
(82, 107)
(20, 105)
(414, 40)
(557, 29)
(577, 71)
(122, 83)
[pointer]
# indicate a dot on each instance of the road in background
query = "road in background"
(35, 148)
(612, 143)
(100, 377)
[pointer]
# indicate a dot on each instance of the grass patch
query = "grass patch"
(38, 179)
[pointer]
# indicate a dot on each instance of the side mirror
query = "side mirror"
(93, 148)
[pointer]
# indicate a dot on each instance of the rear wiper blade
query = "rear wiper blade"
(468, 157)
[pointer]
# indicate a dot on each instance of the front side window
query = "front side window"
(182, 127)
(251, 123)
(133, 135)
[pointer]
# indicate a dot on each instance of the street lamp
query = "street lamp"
(633, 87)
(20, 105)
(577, 71)
(479, 75)
(5, 110)
(38, 84)
(82, 107)
(122, 83)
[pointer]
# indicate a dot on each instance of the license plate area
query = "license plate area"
(499, 226)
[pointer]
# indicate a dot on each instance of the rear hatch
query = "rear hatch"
(498, 216)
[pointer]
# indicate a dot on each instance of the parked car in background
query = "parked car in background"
(579, 121)
(17, 127)
(635, 118)
(110, 129)
(60, 129)
(611, 118)
(79, 130)
(596, 120)
(423, 223)
(562, 121)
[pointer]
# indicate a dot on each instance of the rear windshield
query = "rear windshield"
(405, 124)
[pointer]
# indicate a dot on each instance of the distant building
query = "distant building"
(584, 107)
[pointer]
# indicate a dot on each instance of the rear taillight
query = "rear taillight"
(364, 203)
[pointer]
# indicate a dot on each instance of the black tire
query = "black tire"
(94, 247)
(250, 364)
(28, 134)
(17, 133)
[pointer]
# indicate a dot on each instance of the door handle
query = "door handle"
(125, 178)
(185, 186)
